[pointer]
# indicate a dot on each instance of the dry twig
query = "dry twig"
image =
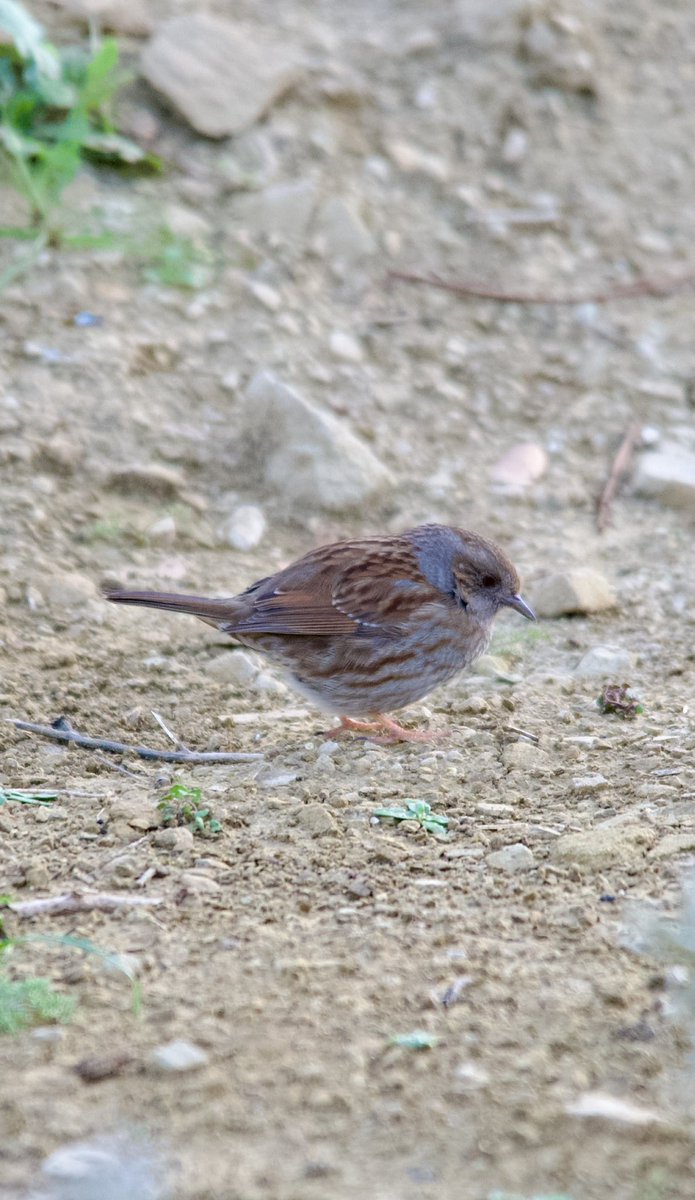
(481, 291)
(59, 734)
(76, 902)
(619, 467)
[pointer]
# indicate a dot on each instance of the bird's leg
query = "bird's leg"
(383, 731)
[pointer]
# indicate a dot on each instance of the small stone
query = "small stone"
(521, 466)
(317, 820)
(56, 654)
(244, 529)
(220, 76)
(612, 1108)
(414, 161)
(267, 685)
(271, 777)
(199, 883)
(524, 755)
(605, 847)
(186, 223)
(266, 295)
(59, 454)
(579, 590)
(162, 532)
(306, 455)
(178, 1056)
(234, 667)
(68, 590)
(514, 146)
(176, 839)
(153, 481)
(345, 347)
(604, 662)
(511, 859)
(283, 211)
(668, 475)
(590, 783)
(341, 234)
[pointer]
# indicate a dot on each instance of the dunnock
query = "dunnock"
(365, 627)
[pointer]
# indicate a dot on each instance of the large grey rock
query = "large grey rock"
(221, 77)
(305, 455)
(580, 590)
(668, 475)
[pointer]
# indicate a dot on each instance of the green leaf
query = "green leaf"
(28, 37)
(112, 147)
(99, 82)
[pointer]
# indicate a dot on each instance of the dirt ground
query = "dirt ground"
(546, 148)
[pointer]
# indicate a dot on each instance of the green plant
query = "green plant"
(183, 805)
(31, 1001)
(416, 810)
(25, 1002)
(175, 261)
(55, 115)
(616, 698)
(20, 796)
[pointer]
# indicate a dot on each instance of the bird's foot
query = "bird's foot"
(383, 731)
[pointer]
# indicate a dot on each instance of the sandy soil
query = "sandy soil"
(293, 946)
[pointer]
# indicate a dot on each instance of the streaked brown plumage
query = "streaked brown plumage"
(365, 627)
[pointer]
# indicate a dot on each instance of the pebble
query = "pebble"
(108, 1167)
(521, 466)
(152, 480)
(265, 294)
(234, 667)
(511, 859)
(59, 454)
(178, 1056)
(603, 848)
(604, 662)
(668, 475)
(345, 347)
(306, 455)
(244, 528)
(271, 777)
(590, 783)
(198, 882)
(162, 532)
(612, 1108)
(176, 839)
(68, 590)
(221, 77)
(579, 590)
(317, 820)
(524, 755)
(283, 211)
(340, 233)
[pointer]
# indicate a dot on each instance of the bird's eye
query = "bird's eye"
(489, 581)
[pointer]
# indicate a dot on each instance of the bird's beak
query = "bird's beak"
(520, 605)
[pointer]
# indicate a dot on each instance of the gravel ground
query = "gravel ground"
(524, 146)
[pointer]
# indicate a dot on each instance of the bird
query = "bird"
(366, 626)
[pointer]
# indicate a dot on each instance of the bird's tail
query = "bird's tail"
(213, 611)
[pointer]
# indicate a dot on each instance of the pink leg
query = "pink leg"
(392, 731)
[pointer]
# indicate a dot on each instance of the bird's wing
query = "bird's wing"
(373, 592)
